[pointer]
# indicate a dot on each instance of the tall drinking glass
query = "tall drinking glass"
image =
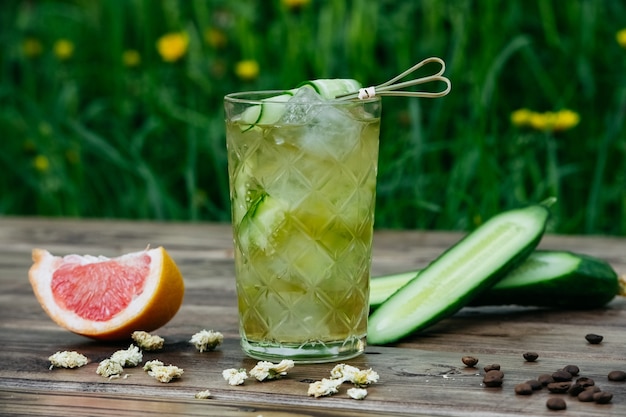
(302, 175)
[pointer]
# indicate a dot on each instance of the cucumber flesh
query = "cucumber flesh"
(384, 286)
(557, 279)
(470, 266)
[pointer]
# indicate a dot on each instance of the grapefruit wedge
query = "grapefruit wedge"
(108, 298)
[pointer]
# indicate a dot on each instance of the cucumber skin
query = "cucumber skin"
(592, 285)
(471, 293)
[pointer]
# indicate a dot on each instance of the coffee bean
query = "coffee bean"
(617, 376)
(493, 378)
(545, 379)
(572, 369)
(556, 403)
(575, 389)
(586, 396)
(602, 397)
(534, 384)
(585, 381)
(469, 361)
(594, 339)
(530, 356)
(492, 367)
(559, 387)
(561, 375)
(523, 389)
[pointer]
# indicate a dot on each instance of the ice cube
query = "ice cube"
(302, 107)
(317, 126)
(331, 131)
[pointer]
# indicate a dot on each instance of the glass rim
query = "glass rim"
(264, 96)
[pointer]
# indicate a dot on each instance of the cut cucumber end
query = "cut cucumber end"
(622, 285)
(538, 266)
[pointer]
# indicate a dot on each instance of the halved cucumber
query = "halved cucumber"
(557, 279)
(469, 267)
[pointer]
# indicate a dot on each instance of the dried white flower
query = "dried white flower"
(203, 395)
(207, 340)
(268, 370)
(364, 378)
(324, 387)
(344, 372)
(357, 393)
(150, 364)
(67, 359)
(147, 341)
(109, 368)
(129, 357)
(165, 373)
(235, 376)
(360, 378)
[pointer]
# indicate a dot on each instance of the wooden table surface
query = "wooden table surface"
(422, 375)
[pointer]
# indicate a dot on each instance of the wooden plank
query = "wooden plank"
(55, 403)
(422, 374)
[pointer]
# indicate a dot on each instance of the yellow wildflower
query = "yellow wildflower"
(32, 47)
(295, 4)
(41, 163)
(131, 58)
(547, 121)
(247, 69)
(565, 119)
(540, 121)
(521, 117)
(553, 121)
(215, 38)
(621, 38)
(63, 49)
(172, 46)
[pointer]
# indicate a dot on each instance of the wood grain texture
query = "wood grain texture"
(422, 375)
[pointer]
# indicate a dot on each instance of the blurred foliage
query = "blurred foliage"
(114, 108)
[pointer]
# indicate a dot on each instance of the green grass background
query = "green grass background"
(147, 142)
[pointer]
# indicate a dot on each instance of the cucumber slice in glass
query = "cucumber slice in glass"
(271, 110)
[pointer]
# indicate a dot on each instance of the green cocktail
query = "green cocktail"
(302, 173)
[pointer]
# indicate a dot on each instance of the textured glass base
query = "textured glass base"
(309, 352)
